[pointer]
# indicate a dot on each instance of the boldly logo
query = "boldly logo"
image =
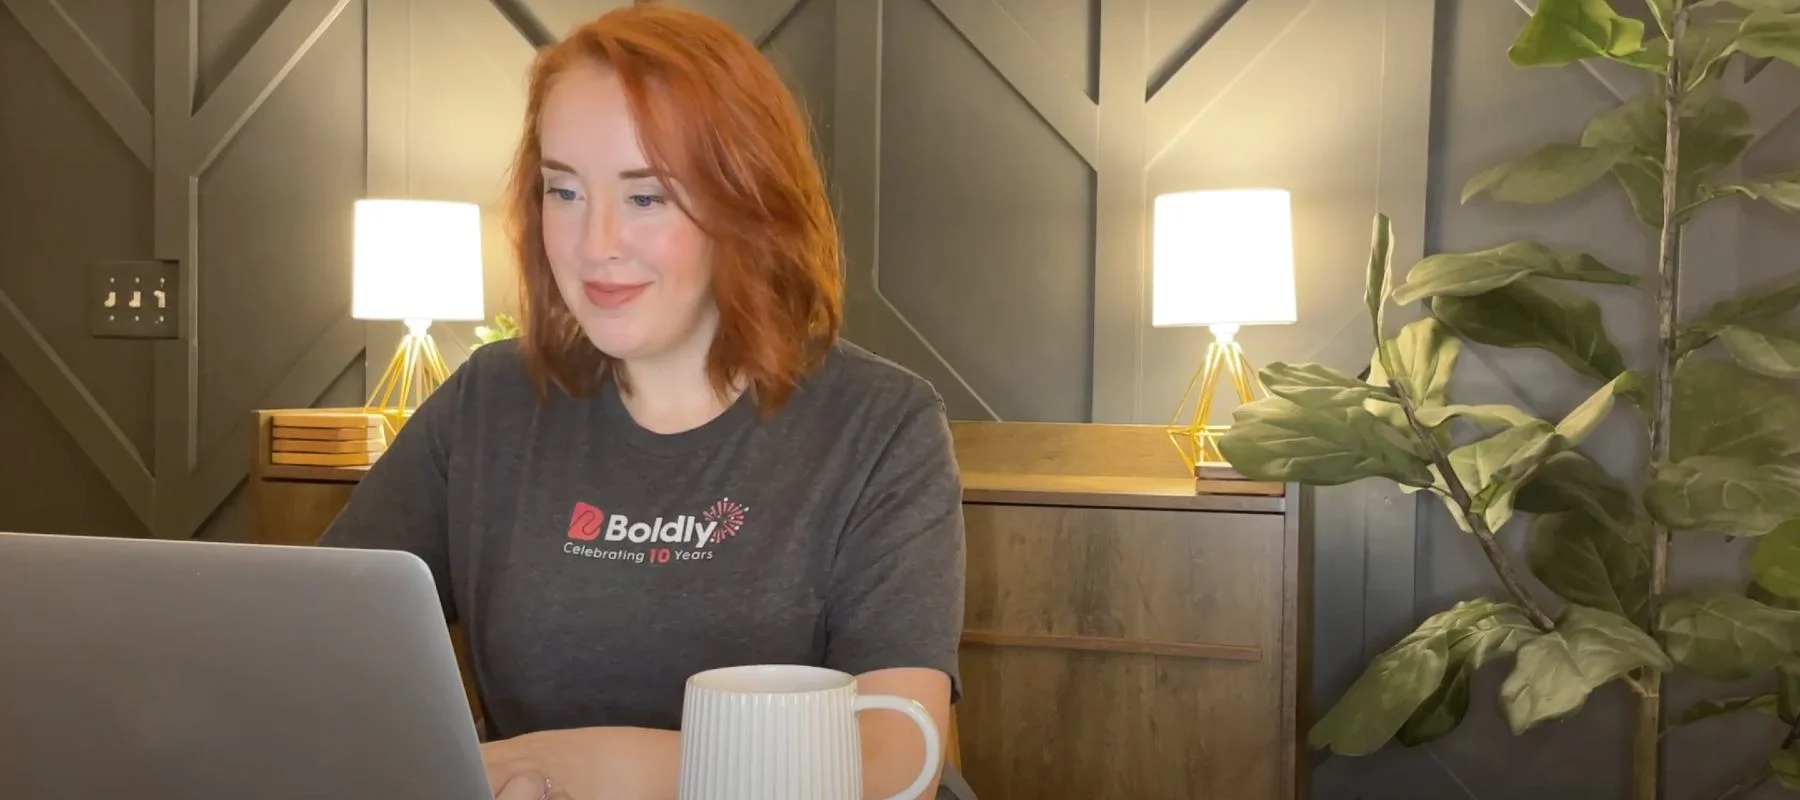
(584, 522)
(718, 522)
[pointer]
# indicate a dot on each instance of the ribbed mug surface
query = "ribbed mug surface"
(785, 732)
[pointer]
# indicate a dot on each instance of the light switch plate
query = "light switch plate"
(133, 299)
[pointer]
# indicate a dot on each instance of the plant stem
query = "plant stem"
(1646, 756)
(1490, 546)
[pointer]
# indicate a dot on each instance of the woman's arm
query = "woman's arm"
(402, 502)
(893, 750)
(643, 764)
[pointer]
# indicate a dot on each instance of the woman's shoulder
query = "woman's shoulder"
(856, 379)
(495, 368)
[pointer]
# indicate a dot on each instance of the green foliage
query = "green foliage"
(1728, 419)
(504, 327)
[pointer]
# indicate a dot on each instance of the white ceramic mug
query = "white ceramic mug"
(783, 732)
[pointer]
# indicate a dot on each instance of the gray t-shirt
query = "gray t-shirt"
(595, 565)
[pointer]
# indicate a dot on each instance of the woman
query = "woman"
(679, 465)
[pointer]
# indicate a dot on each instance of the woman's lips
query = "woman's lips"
(611, 296)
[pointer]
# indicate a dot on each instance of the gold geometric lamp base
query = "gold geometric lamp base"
(416, 370)
(1193, 436)
(1222, 258)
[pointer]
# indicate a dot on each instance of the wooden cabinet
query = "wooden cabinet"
(1130, 632)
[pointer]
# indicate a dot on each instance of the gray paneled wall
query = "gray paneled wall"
(993, 163)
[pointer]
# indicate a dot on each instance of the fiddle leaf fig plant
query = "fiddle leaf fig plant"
(1718, 406)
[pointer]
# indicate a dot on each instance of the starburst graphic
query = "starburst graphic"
(729, 516)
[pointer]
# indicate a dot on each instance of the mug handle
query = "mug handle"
(928, 727)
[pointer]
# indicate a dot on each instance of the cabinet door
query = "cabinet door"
(1122, 653)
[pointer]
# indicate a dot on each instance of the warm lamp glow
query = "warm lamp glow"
(417, 260)
(1223, 257)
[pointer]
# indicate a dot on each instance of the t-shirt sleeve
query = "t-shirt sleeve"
(402, 502)
(896, 596)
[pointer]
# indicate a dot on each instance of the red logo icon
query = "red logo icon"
(585, 522)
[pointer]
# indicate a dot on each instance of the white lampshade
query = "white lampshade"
(417, 260)
(1223, 257)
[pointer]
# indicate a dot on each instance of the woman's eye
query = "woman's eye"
(565, 195)
(645, 200)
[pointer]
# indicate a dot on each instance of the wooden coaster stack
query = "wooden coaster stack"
(326, 438)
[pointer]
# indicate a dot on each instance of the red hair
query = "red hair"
(712, 112)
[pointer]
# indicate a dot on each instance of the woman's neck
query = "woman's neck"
(673, 395)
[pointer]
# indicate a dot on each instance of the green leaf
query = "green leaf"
(1786, 766)
(1424, 356)
(1316, 385)
(1380, 273)
(1570, 481)
(1765, 349)
(1564, 31)
(1761, 304)
(1781, 191)
(1642, 181)
(1715, 131)
(1583, 419)
(1472, 644)
(1535, 313)
(1729, 495)
(1587, 562)
(1722, 409)
(1397, 682)
(1494, 468)
(1554, 673)
(1464, 274)
(1725, 636)
(1753, 5)
(1705, 709)
(1548, 174)
(1771, 34)
(1487, 415)
(1636, 124)
(1775, 562)
(1787, 691)
(1706, 49)
(1276, 439)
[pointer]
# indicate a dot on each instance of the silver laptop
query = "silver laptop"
(158, 670)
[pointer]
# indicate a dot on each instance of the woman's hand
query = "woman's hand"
(541, 766)
(584, 764)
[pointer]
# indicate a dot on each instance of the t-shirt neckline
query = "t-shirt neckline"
(737, 417)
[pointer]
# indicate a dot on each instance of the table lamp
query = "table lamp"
(1221, 258)
(419, 262)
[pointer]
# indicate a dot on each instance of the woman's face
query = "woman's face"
(635, 271)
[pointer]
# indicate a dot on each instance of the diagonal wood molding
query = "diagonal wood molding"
(1219, 62)
(47, 22)
(75, 407)
(256, 76)
(175, 496)
(856, 186)
(759, 20)
(224, 467)
(1024, 65)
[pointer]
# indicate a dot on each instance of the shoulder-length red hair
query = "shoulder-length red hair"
(712, 112)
